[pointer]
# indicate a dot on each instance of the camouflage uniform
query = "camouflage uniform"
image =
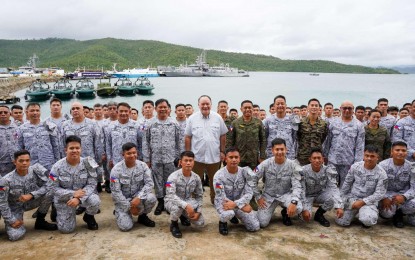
(380, 138)
(249, 138)
(404, 130)
(58, 123)
(127, 184)
(104, 124)
(161, 146)
(320, 187)
(329, 119)
(401, 181)
(42, 141)
(64, 181)
(117, 135)
(91, 140)
(362, 184)
(235, 187)
(310, 136)
(142, 126)
(388, 122)
(344, 145)
(182, 126)
(285, 128)
(282, 184)
(228, 122)
(8, 144)
(12, 186)
(181, 191)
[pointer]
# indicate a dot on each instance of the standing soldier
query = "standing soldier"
(365, 185)
(91, 136)
(282, 186)
(112, 116)
(181, 119)
(280, 125)
(319, 186)
(223, 112)
(233, 194)
(22, 190)
(73, 180)
(377, 135)
(17, 114)
(400, 194)
(184, 195)
(131, 187)
(161, 146)
(247, 134)
(57, 118)
(387, 121)
(345, 142)
(328, 112)
(41, 139)
(8, 141)
(189, 110)
(312, 132)
(404, 130)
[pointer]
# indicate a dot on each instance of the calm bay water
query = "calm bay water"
(262, 87)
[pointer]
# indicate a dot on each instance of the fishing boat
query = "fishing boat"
(38, 90)
(125, 87)
(85, 88)
(144, 87)
(104, 89)
(62, 89)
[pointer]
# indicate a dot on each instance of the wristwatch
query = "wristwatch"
(294, 202)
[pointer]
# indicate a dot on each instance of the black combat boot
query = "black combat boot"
(286, 220)
(143, 219)
(53, 213)
(99, 187)
(185, 221)
(234, 220)
(175, 230)
(160, 207)
(90, 221)
(398, 219)
(223, 228)
(319, 217)
(80, 210)
(41, 223)
(34, 215)
(107, 186)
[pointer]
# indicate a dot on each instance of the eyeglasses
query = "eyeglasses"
(347, 108)
(4, 112)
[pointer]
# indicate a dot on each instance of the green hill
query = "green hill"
(95, 54)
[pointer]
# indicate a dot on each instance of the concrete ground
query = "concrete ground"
(300, 241)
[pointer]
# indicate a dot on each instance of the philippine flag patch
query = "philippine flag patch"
(256, 169)
(168, 184)
(397, 127)
(113, 179)
(2, 188)
(52, 176)
(218, 186)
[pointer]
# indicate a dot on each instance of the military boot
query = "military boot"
(41, 223)
(107, 186)
(398, 219)
(99, 187)
(53, 213)
(34, 215)
(223, 228)
(286, 220)
(319, 217)
(175, 230)
(90, 221)
(160, 207)
(185, 221)
(143, 219)
(234, 220)
(80, 210)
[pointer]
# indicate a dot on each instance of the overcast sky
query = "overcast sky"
(372, 33)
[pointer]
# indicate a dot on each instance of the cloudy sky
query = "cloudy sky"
(372, 32)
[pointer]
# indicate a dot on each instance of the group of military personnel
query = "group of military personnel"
(355, 163)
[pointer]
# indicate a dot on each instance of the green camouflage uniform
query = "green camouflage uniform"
(228, 122)
(380, 138)
(249, 138)
(310, 136)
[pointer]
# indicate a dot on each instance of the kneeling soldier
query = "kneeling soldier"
(184, 195)
(364, 186)
(400, 195)
(319, 185)
(282, 186)
(73, 180)
(132, 186)
(21, 190)
(233, 194)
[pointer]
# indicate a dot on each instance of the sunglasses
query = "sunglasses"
(347, 108)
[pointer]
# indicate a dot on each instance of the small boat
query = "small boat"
(9, 99)
(104, 89)
(136, 72)
(85, 88)
(144, 87)
(314, 74)
(125, 87)
(38, 90)
(62, 89)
